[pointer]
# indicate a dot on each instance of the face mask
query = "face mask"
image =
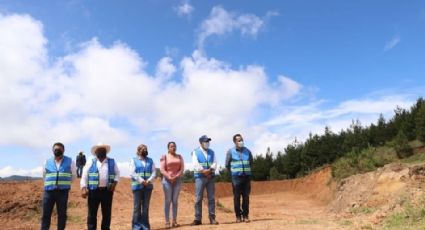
(58, 152)
(206, 145)
(101, 154)
(144, 153)
(240, 144)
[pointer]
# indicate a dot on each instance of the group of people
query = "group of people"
(100, 176)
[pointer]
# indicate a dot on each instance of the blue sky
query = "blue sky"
(134, 72)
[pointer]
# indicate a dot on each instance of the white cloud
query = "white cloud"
(184, 9)
(165, 68)
(78, 97)
(296, 122)
(9, 171)
(392, 43)
(221, 22)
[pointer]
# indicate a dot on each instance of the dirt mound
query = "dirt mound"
(377, 194)
(318, 185)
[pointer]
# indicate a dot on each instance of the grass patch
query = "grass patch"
(412, 217)
(307, 222)
(346, 223)
(75, 219)
(363, 210)
(416, 144)
(414, 159)
(222, 207)
(367, 227)
(365, 161)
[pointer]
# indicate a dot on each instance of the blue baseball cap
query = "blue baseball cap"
(204, 138)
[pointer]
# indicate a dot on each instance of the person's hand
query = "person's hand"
(84, 192)
(112, 187)
(146, 183)
(141, 181)
(206, 172)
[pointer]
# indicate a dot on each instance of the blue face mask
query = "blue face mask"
(240, 144)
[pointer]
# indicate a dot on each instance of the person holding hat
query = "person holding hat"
(143, 172)
(98, 182)
(58, 174)
(204, 164)
(239, 162)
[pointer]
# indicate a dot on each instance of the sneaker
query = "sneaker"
(175, 224)
(246, 220)
(167, 226)
(238, 220)
(213, 222)
(196, 222)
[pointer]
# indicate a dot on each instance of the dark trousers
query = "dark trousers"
(98, 197)
(241, 187)
(50, 198)
(79, 170)
(141, 200)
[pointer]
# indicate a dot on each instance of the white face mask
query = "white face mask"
(240, 144)
(206, 145)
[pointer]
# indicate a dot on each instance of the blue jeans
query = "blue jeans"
(171, 195)
(50, 198)
(241, 187)
(141, 200)
(200, 185)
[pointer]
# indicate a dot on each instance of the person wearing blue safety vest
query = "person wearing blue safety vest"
(98, 182)
(58, 174)
(143, 172)
(204, 164)
(239, 163)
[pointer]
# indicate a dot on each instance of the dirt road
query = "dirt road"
(298, 204)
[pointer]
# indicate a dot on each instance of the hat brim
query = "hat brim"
(94, 148)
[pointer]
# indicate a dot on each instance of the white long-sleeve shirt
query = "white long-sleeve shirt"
(195, 162)
(137, 177)
(58, 164)
(102, 167)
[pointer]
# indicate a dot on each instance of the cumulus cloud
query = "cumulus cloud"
(165, 68)
(392, 43)
(184, 9)
(221, 22)
(78, 97)
(296, 122)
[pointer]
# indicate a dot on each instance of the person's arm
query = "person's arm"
(153, 175)
(213, 166)
(133, 173)
(251, 159)
(73, 171)
(162, 168)
(181, 171)
(117, 173)
(228, 159)
(195, 162)
(85, 175)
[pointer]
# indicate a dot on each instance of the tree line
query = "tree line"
(300, 158)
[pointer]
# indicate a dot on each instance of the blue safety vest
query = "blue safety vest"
(58, 178)
(239, 166)
(144, 172)
(205, 163)
(94, 174)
